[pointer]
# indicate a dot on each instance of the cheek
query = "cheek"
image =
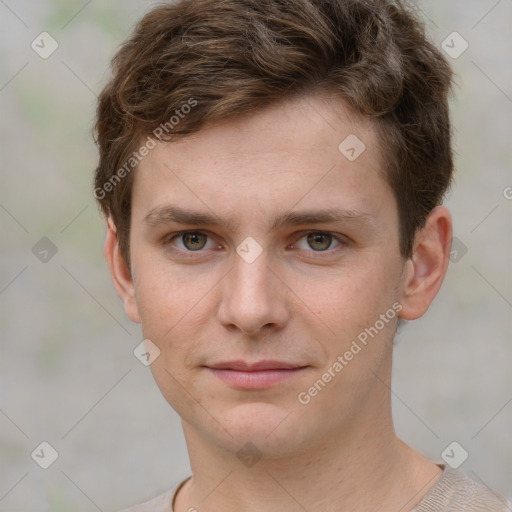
(179, 392)
(350, 299)
(174, 309)
(167, 294)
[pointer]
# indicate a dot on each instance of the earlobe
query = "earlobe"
(425, 270)
(120, 273)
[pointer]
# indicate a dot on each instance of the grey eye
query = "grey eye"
(194, 241)
(319, 241)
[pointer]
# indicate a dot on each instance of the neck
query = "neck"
(360, 467)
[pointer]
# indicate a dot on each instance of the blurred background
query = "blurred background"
(68, 375)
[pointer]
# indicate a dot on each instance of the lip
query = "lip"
(244, 366)
(258, 375)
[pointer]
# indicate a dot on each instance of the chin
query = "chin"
(274, 431)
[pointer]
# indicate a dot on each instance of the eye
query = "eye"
(195, 241)
(192, 240)
(319, 241)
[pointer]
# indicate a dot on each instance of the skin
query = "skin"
(298, 302)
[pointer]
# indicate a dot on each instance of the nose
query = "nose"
(253, 297)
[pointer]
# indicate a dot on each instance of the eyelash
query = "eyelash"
(167, 241)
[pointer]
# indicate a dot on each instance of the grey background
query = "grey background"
(67, 372)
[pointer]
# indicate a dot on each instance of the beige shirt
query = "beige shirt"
(454, 491)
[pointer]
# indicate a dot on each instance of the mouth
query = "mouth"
(259, 375)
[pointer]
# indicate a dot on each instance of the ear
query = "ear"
(425, 270)
(120, 273)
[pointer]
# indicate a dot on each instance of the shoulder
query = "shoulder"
(161, 503)
(456, 491)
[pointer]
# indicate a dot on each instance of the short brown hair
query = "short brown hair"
(224, 58)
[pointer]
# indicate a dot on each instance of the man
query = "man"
(272, 174)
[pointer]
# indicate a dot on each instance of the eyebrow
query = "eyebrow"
(167, 214)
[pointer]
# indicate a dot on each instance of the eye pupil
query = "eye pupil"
(315, 238)
(193, 239)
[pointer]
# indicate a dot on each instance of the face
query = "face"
(273, 316)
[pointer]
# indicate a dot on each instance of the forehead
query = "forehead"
(306, 149)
